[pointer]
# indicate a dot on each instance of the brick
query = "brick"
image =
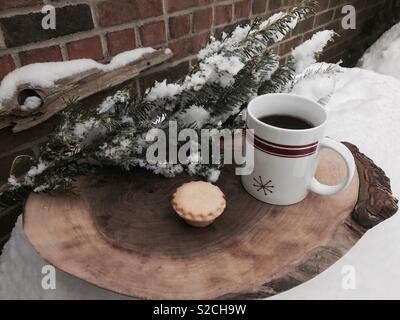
(229, 28)
(23, 29)
(86, 48)
(6, 65)
(194, 62)
(335, 3)
(49, 54)
(176, 5)
(120, 41)
(324, 18)
(92, 102)
(242, 9)
(13, 4)
(287, 46)
(329, 52)
(304, 26)
(202, 19)
(259, 6)
(172, 74)
(189, 46)
(322, 5)
(179, 26)
(223, 14)
(338, 13)
(11, 141)
(113, 12)
(275, 4)
(152, 33)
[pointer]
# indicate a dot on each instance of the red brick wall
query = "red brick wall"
(100, 29)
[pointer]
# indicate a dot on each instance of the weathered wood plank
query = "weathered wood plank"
(79, 86)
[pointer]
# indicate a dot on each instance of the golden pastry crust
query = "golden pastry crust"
(199, 203)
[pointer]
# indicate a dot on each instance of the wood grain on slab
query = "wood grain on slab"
(121, 234)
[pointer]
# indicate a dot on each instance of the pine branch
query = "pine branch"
(92, 138)
(267, 36)
(12, 198)
(323, 69)
(279, 79)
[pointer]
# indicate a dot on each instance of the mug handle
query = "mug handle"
(348, 158)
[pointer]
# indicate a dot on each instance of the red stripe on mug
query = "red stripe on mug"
(285, 153)
(282, 156)
(281, 145)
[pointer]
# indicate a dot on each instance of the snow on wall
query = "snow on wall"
(45, 75)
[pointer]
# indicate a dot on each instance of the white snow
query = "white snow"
(82, 129)
(274, 18)
(34, 171)
(163, 90)
(305, 54)
(384, 55)
(41, 188)
(31, 103)
(195, 114)
(120, 97)
(14, 183)
(125, 58)
(215, 67)
(316, 91)
(214, 175)
(46, 74)
(317, 82)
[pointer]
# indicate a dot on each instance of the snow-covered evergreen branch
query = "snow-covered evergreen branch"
(230, 72)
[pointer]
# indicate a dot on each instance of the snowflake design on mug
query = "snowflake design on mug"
(266, 187)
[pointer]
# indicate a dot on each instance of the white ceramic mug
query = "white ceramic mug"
(285, 160)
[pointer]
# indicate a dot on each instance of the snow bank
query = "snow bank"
(46, 74)
(384, 55)
(364, 110)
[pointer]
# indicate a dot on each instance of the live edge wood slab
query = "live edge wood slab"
(122, 234)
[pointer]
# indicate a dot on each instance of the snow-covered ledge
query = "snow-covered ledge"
(34, 93)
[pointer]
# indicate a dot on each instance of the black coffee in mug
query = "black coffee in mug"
(287, 122)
